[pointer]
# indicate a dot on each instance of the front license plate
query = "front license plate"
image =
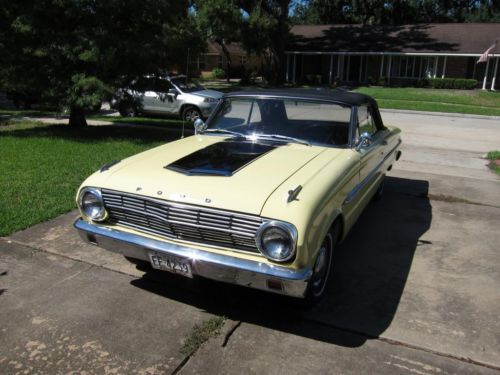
(171, 264)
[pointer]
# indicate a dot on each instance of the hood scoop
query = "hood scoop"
(220, 159)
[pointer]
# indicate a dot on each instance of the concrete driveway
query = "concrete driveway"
(416, 286)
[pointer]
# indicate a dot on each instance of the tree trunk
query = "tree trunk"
(77, 117)
(228, 59)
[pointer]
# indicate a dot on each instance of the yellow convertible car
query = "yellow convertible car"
(260, 196)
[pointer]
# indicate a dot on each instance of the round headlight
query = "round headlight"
(91, 204)
(277, 240)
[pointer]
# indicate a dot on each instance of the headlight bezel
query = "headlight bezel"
(98, 194)
(210, 100)
(288, 228)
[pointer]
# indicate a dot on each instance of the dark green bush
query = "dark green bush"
(423, 82)
(218, 73)
(453, 83)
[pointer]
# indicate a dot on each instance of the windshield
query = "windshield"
(186, 85)
(311, 121)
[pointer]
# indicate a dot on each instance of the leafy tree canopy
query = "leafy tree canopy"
(76, 51)
(395, 12)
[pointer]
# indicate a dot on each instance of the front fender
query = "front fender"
(325, 182)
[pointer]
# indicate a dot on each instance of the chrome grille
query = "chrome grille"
(184, 222)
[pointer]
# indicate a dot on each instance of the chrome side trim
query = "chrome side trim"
(225, 268)
(352, 194)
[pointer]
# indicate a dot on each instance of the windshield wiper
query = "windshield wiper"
(284, 138)
(236, 134)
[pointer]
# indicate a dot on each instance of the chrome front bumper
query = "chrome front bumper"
(225, 268)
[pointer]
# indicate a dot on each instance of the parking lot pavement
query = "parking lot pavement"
(414, 289)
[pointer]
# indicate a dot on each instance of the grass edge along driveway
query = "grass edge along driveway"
(43, 165)
(475, 102)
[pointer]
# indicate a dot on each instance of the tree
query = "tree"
(266, 32)
(76, 51)
(220, 21)
(396, 12)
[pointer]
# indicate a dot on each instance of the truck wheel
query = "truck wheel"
(190, 114)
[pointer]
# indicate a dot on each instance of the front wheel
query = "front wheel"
(190, 114)
(322, 267)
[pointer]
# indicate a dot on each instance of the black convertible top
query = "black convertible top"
(339, 96)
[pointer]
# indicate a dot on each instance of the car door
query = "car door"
(166, 97)
(150, 97)
(371, 153)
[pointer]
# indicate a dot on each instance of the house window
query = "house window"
(243, 60)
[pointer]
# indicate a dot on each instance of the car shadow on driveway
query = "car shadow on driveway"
(369, 276)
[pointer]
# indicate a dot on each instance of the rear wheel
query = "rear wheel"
(380, 190)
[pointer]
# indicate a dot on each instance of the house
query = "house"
(214, 58)
(399, 55)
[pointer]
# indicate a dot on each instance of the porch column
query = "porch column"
(287, 79)
(494, 75)
(381, 67)
(444, 67)
(339, 59)
(348, 67)
(331, 69)
(294, 67)
(389, 70)
(486, 74)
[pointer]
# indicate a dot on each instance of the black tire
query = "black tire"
(190, 113)
(318, 283)
(380, 190)
(127, 110)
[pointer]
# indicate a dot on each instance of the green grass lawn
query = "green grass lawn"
(494, 156)
(41, 165)
(475, 102)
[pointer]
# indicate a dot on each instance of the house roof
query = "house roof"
(453, 38)
(233, 48)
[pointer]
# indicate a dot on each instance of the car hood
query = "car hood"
(176, 172)
(208, 93)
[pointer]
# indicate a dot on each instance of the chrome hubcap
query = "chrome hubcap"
(191, 115)
(322, 266)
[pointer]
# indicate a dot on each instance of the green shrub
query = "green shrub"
(453, 83)
(218, 73)
(423, 82)
(314, 79)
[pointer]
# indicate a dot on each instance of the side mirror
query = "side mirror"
(365, 140)
(199, 126)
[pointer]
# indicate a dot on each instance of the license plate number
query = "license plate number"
(171, 264)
